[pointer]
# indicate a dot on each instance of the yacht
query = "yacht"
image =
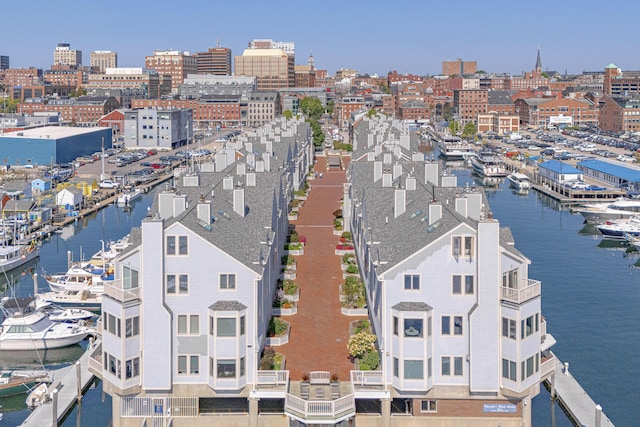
(620, 209)
(73, 299)
(619, 229)
(487, 164)
(13, 256)
(519, 181)
(35, 331)
(80, 277)
(128, 196)
(454, 148)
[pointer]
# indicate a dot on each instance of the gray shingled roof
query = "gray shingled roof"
(227, 306)
(412, 306)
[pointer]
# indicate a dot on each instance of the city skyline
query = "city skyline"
(501, 36)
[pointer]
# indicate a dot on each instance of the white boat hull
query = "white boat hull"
(18, 261)
(43, 343)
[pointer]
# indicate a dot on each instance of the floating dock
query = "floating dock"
(574, 400)
(70, 383)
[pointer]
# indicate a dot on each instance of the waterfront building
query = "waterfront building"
(620, 113)
(157, 128)
(186, 319)
(51, 144)
(501, 124)
(468, 103)
(175, 63)
(100, 60)
(613, 174)
(546, 112)
(207, 109)
(64, 55)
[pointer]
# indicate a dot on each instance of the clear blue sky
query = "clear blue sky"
(371, 37)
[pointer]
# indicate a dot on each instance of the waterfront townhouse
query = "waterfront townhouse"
(186, 319)
(458, 321)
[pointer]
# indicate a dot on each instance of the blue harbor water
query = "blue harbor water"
(82, 239)
(591, 296)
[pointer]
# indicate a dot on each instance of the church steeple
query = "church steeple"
(538, 62)
(310, 60)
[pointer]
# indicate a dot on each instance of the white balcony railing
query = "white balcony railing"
(115, 290)
(362, 380)
(159, 407)
(548, 366)
(317, 410)
(272, 379)
(527, 289)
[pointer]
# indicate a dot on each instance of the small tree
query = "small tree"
(454, 127)
(469, 130)
(361, 343)
(287, 114)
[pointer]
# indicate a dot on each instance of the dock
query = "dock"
(574, 400)
(67, 392)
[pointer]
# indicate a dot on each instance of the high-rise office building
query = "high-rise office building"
(216, 60)
(176, 63)
(64, 55)
(103, 59)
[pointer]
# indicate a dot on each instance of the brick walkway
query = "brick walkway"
(319, 332)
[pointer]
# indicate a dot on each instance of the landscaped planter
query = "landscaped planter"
(300, 197)
(288, 274)
(344, 249)
(293, 297)
(292, 217)
(284, 311)
(279, 339)
(345, 274)
(338, 232)
(354, 311)
(294, 252)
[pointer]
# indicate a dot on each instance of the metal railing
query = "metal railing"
(361, 380)
(159, 407)
(273, 379)
(310, 410)
(527, 289)
(114, 290)
(95, 360)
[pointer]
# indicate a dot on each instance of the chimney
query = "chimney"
(387, 180)
(400, 204)
(410, 183)
(450, 181)
(227, 183)
(386, 158)
(259, 166)
(377, 171)
(435, 212)
(221, 162)
(179, 204)
(461, 206)
(431, 173)
(397, 171)
(165, 204)
(204, 210)
(251, 179)
(249, 147)
(404, 141)
(241, 169)
(238, 201)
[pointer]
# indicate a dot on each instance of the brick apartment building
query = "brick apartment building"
(470, 103)
(413, 110)
(620, 83)
(500, 102)
(207, 110)
(345, 106)
(452, 68)
(153, 85)
(545, 112)
(12, 77)
(175, 63)
(498, 123)
(82, 111)
(620, 114)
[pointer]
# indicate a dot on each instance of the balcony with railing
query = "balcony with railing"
(273, 384)
(318, 410)
(526, 290)
(114, 289)
(368, 385)
(95, 360)
(547, 365)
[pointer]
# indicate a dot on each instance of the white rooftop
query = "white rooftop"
(51, 132)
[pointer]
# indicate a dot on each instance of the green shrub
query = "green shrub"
(369, 361)
(277, 327)
(360, 344)
(349, 258)
(361, 325)
(289, 287)
(267, 359)
(293, 236)
(288, 260)
(337, 224)
(352, 269)
(346, 235)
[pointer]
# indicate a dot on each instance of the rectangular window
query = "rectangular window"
(428, 406)
(171, 245)
(132, 368)
(413, 369)
(242, 367)
(226, 369)
(132, 326)
(411, 282)
(429, 328)
(129, 278)
(462, 246)
(182, 245)
(446, 365)
(194, 365)
(457, 325)
(395, 325)
(182, 365)
(529, 366)
(446, 325)
(182, 324)
(468, 285)
(429, 368)
(184, 284)
(171, 283)
(413, 328)
(226, 327)
(242, 326)
(227, 281)
(194, 325)
(509, 370)
(457, 285)
(457, 366)
(396, 367)
(508, 328)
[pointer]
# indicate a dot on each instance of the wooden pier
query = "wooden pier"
(70, 384)
(574, 400)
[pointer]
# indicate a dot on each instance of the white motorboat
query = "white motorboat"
(129, 195)
(79, 299)
(454, 148)
(13, 256)
(487, 164)
(107, 255)
(35, 331)
(619, 209)
(80, 277)
(519, 181)
(618, 229)
(63, 315)
(38, 396)
(633, 240)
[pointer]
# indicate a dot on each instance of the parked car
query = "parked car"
(108, 184)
